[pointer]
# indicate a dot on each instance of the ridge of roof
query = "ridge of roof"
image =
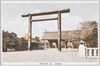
(61, 31)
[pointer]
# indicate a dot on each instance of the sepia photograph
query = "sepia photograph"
(49, 32)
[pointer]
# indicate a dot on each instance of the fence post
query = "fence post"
(86, 52)
(90, 52)
(94, 52)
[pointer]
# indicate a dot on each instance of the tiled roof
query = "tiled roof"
(11, 43)
(72, 34)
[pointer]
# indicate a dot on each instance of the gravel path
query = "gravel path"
(48, 55)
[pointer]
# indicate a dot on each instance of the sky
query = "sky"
(12, 21)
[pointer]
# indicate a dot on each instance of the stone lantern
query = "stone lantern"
(82, 47)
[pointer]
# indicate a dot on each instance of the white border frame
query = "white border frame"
(63, 63)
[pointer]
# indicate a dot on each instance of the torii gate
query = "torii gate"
(45, 13)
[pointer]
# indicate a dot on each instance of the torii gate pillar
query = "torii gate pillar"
(59, 31)
(29, 33)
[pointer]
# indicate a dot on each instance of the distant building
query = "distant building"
(35, 42)
(68, 39)
(11, 46)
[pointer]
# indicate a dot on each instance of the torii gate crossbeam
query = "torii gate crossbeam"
(45, 13)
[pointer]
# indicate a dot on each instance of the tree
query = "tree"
(89, 32)
(5, 43)
(9, 38)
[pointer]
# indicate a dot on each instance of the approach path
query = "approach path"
(48, 55)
